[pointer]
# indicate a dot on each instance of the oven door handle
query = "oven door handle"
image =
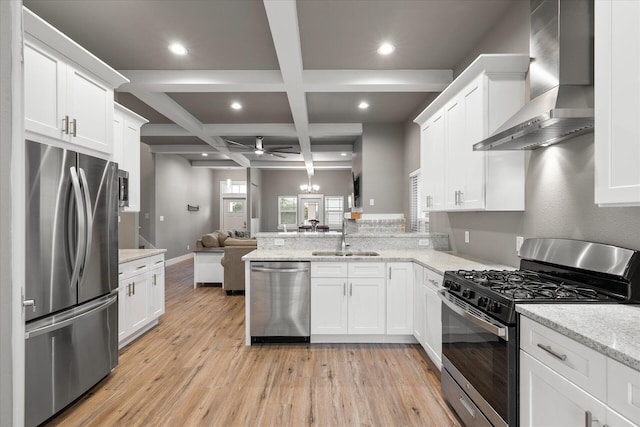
(498, 331)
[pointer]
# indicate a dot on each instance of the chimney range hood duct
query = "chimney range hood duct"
(561, 78)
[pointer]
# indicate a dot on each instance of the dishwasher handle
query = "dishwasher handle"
(280, 270)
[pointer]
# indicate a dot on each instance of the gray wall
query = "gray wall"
(559, 184)
(147, 215)
(383, 168)
(128, 230)
(178, 184)
(254, 198)
(411, 163)
(287, 183)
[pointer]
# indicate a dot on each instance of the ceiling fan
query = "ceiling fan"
(259, 149)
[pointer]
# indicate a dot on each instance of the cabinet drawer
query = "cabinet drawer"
(133, 268)
(432, 280)
(366, 269)
(623, 389)
(583, 366)
(156, 261)
(329, 269)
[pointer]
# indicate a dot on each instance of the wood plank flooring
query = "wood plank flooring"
(193, 369)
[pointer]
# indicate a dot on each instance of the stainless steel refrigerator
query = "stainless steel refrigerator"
(71, 277)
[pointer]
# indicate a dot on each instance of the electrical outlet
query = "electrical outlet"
(278, 242)
(161, 217)
(372, 202)
(423, 242)
(187, 247)
(519, 242)
(466, 236)
(146, 215)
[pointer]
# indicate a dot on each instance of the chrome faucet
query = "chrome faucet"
(343, 240)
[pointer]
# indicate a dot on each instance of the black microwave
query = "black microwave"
(123, 188)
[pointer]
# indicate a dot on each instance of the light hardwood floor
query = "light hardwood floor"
(193, 369)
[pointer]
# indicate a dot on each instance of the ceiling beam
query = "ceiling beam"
(316, 130)
(262, 164)
(376, 80)
(183, 149)
(173, 111)
(271, 80)
(203, 81)
(283, 23)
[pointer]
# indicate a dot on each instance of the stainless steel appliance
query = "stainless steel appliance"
(480, 324)
(123, 188)
(280, 301)
(561, 75)
(71, 277)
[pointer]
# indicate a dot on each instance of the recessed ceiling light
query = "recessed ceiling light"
(178, 49)
(386, 49)
(236, 106)
(343, 154)
(363, 105)
(204, 154)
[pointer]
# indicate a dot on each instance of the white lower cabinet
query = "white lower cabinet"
(140, 297)
(433, 317)
(347, 298)
(399, 298)
(419, 309)
(565, 383)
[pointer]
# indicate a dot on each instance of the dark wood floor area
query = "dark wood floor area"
(193, 369)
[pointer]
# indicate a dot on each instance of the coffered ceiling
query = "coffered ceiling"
(299, 68)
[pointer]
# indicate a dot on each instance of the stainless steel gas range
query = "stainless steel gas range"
(480, 324)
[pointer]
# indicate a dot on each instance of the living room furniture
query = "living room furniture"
(234, 250)
(207, 267)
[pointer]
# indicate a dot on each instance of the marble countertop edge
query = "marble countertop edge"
(126, 255)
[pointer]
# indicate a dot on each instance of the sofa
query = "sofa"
(233, 246)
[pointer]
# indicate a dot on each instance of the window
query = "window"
(236, 206)
(287, 211)
(333, 211)
(414, 190)
(233, 187)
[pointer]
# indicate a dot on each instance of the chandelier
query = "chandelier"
(309, 188)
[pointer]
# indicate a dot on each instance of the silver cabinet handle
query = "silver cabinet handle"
(30, 303)
(154, 280)
(434, 282)
(141, 267)
(389, 273)
(467, 407)
(134, 288)
(552, 352)
(589, 420)
(461, 198)
(344, 289)
(75, 127)
(350, 289)
(65, 125)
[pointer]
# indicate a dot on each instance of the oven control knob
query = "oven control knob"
(454, 286)
(468, 293)
(494, 307)
(447, 283)
(483, 301)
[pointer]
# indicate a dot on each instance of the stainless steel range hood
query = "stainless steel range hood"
(561, 77)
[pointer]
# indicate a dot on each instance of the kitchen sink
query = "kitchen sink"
(340, 253)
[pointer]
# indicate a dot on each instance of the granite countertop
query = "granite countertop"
(437, 261)
(334, 233)
(125, 255)
(611, 330)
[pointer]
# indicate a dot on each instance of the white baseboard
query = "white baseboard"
(178, 259)
(363, 339)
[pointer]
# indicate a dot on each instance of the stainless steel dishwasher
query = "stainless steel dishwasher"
(280, 304)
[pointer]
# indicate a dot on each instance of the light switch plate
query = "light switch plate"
(466, 236)
(372, 202)
(278, 242)
(161, 217)
(423, 242)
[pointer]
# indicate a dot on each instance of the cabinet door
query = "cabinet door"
(138, 301)
(418, 304)
(455, 155)
(118, 139)
(432, 163)
(433, 318)
(131, 162)
(617, 102)
(329, 305)
(399, 298)
(90, 107)
(473, 162)
(366, 305)
(616, 420)
(157, 291)
(44, 80)
(123, 320)
(548, 399)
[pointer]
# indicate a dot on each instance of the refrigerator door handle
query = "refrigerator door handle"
(89, 212)
(80, 243)
(69, 318)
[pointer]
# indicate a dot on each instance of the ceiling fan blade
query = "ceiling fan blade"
(275, 154)
(278, 147)
(282, 152)
(228, 141)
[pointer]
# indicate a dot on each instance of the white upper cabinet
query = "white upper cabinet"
(126, 150)
(454, 177)
(68, 91)
(617, 102)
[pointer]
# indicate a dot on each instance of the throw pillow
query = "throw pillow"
(210, 240)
